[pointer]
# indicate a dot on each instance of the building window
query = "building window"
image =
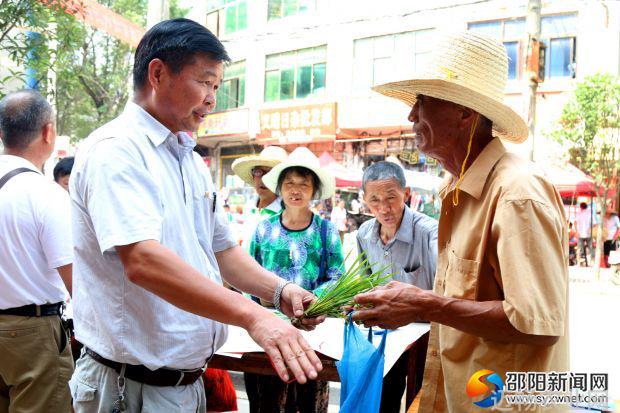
(511, 33)
(557, 32)
(231, 93)
(278, 9)
(295, 75)
(236, 16)
(387, 58)
(231, 15)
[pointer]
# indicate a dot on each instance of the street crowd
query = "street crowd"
(143, 245)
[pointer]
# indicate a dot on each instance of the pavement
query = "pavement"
(594, 307)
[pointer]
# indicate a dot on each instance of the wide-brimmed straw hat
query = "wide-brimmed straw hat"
(269, 157)
(471, 70)
(303, 157)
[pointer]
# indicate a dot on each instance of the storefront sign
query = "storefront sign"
(232, 122)
(100, 17)
(410, 156)
(298, 124)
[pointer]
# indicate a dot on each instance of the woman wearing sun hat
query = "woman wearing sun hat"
(251, 170)
(300, 247)
(500, 302)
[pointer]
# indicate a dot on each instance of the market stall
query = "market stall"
(241, 353)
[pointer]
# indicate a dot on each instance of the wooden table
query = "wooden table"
(258, 363)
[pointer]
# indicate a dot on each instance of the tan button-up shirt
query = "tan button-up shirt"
(506, 240)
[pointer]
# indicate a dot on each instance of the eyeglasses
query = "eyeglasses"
(258, 172)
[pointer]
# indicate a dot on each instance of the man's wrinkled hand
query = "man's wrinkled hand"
(286, 347)
(294, 301)
(391, 306)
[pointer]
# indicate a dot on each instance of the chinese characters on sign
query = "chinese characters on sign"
(555, 381)
(298, 124)
(525, 389)
(232, 122)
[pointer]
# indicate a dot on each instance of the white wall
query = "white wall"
(338, 23)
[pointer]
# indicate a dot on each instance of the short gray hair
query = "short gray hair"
(22, 116)
(383, 170)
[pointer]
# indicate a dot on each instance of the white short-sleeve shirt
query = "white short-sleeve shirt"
(35, 228)
(133, 180)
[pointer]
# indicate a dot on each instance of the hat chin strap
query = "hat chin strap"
(455, 194)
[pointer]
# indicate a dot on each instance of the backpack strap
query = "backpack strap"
(12, 173)
(323, 264)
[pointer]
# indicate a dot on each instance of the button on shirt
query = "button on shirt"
(35, 223)
(133, 180)
(411, 254)
(506, 240)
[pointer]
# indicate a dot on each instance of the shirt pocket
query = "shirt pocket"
(203, 202)
(413, 277)
(461, 277)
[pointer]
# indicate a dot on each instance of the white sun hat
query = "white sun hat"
(302, 156)
(270, 156)
(471, 70)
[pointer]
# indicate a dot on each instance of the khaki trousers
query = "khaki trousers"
(35, 365)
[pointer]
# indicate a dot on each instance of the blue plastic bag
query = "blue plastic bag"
(361, 371)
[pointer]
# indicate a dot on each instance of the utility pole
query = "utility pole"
(157, 11)
(532, 72)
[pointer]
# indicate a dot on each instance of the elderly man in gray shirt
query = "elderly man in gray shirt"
(402, 239)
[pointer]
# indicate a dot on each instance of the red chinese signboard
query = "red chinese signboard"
(298, 124)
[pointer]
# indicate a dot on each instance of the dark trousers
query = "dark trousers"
(269, 394)
(585, 249)
(394, 384)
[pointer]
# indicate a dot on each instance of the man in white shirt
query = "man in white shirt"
(151, 241)
(35, 259)
(584, 229)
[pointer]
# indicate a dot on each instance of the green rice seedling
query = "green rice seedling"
(358, 279)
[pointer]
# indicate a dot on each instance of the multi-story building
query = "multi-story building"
(302, 70)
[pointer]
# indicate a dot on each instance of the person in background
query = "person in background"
(251, 170)
(303, 248)
(573, 240)
(229, 216)
(339, 219)
(584, 231)
(402, 239)
(35, 262)
(355, 206)
(62, 172)
(611, 232)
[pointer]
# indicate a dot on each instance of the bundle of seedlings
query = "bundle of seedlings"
(358, 279)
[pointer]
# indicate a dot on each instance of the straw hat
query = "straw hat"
(270, 156)
(303, 157)
(471, 70)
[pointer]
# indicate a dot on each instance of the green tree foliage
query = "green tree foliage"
(84, 71)
(590, 129)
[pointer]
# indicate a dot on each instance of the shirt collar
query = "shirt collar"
(404, 233)
(19, 162)
(275, 206)
(476, 175)
(156, 132)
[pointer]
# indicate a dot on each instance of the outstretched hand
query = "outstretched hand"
(286, 348)
(391, 306)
